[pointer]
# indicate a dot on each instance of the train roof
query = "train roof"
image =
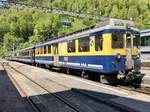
(100, 26)
(106, 24)
(145, 32)
(28, 48)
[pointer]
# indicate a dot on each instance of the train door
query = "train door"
(33, 55)
(129, 46)
(56, 57)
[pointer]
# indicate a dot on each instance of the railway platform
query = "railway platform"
(10, 99)
(52, 91)
(146, 79)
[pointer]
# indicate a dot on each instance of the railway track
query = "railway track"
(75, 108)
(142, 89)
(145, 68)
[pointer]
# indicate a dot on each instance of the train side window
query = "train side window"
(44, 49)
(49, 49)
(84, 44)
(37, 51)
(40, 50)
(32, 52)
(136, 40)
(28, 53)
(24, 53)
(71, 46)
(98, 43)
(117, 40)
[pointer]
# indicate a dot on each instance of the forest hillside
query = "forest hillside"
(20, 28)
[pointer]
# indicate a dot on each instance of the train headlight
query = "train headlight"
(138, 56)
(118, 57)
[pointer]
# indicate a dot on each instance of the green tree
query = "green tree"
(11, 42)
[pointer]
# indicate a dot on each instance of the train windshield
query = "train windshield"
(128, 40)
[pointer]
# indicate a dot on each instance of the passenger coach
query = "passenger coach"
(111, 48)
(145, 45)
(25, 55)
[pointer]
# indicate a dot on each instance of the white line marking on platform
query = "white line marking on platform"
(95, 84)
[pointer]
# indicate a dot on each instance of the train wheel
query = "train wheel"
(68, 71)
(112, 79)
(50, 68)
(84, 75)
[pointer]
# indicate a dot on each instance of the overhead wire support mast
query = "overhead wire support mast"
(50, 9)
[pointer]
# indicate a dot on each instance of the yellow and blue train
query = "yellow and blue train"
(110, 48)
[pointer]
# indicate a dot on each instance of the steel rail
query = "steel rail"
(142, 89)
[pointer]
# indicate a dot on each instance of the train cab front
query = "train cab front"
(132, 74)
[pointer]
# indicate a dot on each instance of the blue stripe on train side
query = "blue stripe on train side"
(26, 59)
(44, 60)
(103, 64)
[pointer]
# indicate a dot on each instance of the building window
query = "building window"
(117, 40)
(98, 43)
(71, 46)
(84, 44)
